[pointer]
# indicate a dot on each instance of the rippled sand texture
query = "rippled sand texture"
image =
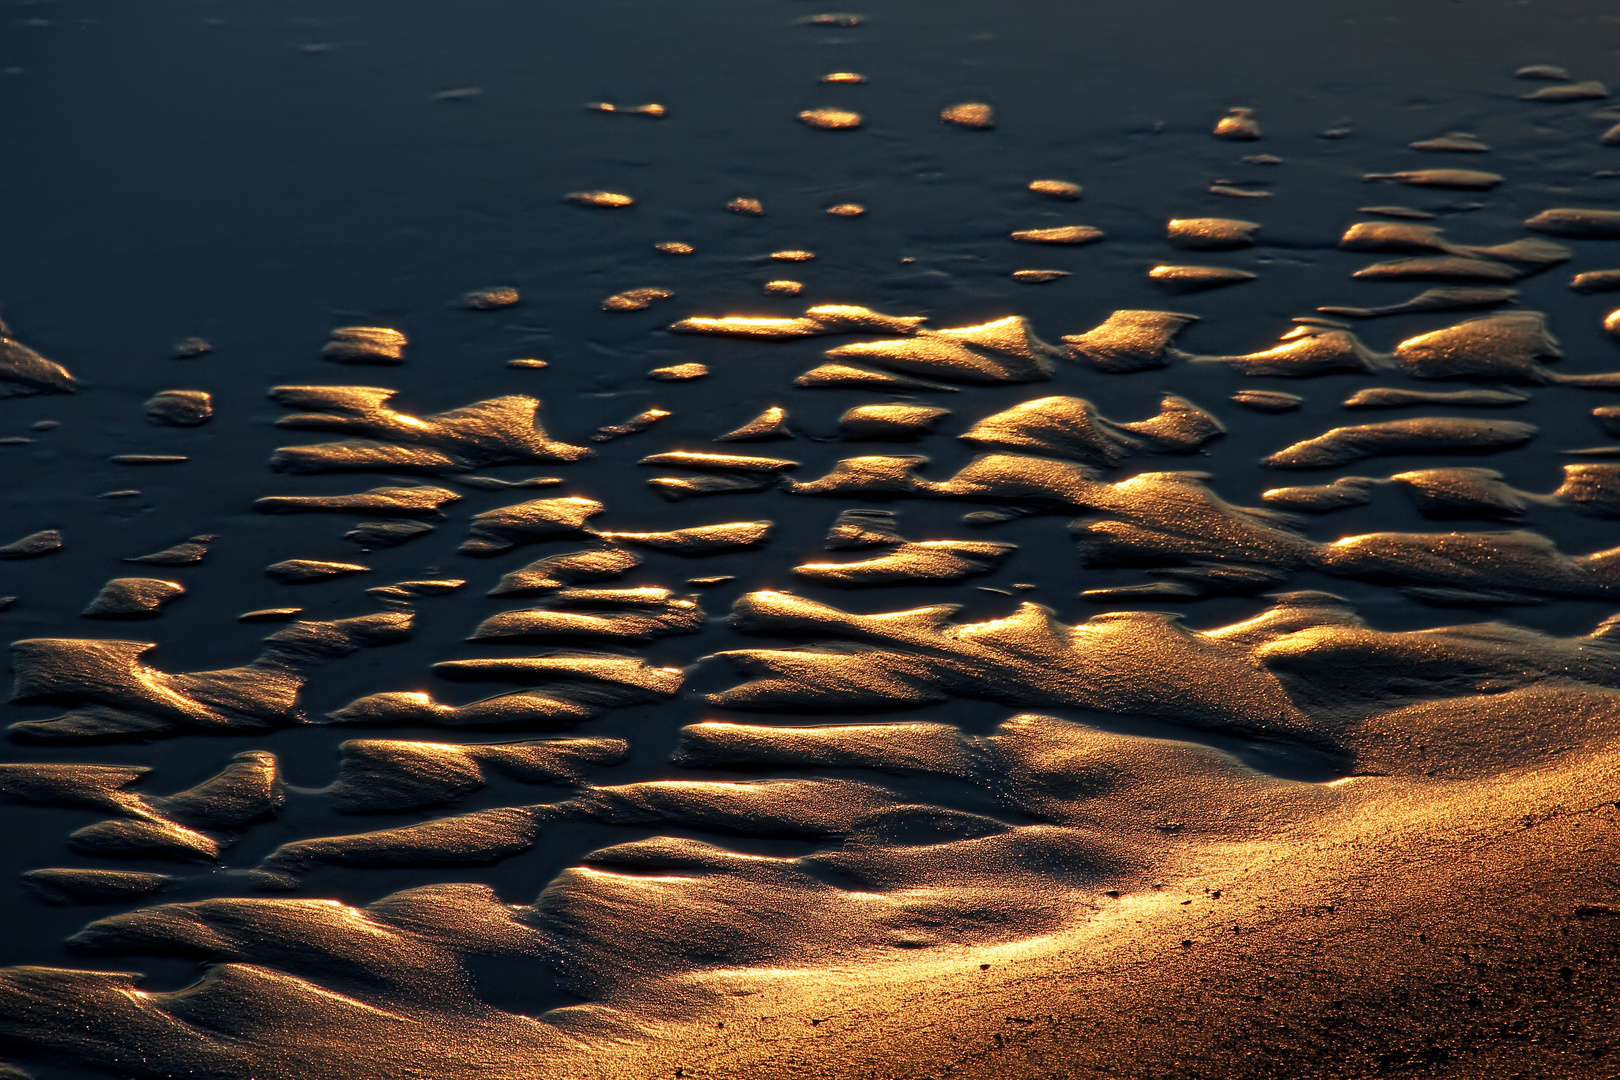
(1205, 663)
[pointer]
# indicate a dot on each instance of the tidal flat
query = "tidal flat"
(470, 614)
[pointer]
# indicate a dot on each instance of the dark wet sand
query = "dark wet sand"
(761, 803)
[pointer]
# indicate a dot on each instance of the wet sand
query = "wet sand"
(636, 540)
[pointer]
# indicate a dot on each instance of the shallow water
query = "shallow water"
(275, 182)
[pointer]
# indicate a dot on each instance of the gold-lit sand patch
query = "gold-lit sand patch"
(1211, 233)
(635, 299)
(969, 114)
(365, 345)
(1062, 234)
(491, 299)
(678, 372)
(1233, 192)
(651, 109)
(1238, 123)
(1197, 278)
(607, 200)
(1056, 189)
(831, 119)
(836, 18)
